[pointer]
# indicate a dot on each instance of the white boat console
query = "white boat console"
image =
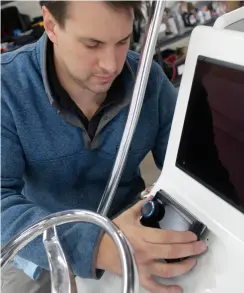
(204, 165)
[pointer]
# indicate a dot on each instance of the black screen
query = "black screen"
(212, 143)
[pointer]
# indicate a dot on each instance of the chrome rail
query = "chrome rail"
(61, 281)
(148, 51)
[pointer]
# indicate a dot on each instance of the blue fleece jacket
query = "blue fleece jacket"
(46, 165)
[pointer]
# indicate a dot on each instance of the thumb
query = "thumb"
(136, 209)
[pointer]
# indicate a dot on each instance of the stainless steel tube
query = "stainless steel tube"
(136, 104)
(130, 280)
(59, 273)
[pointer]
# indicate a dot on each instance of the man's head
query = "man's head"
(90, 38)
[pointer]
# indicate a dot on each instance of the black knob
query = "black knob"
(152, 212)
(148, 209)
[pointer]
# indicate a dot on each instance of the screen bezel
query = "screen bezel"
(218, 193)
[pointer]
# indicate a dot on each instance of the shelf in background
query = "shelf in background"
(175, 41)
(166, 42)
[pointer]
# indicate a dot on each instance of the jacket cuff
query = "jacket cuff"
(97, 273)
(81, 247)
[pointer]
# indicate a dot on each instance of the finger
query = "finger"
(160, 236)
(165, 270)
(173, 251)
(150, 284)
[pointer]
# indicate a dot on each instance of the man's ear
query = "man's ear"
(50, 24)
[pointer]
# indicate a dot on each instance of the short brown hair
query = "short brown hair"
(59, 8)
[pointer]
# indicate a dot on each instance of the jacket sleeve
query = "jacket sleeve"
(79, 240)
(166, 106)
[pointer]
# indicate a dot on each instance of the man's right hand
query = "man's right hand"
(150, 245)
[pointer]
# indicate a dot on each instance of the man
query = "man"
(65, 102)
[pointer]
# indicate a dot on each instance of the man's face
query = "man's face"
(92, 45)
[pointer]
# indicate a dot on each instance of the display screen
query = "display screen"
(212, 143)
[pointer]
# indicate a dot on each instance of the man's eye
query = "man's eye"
(124, 42)
(92, 46)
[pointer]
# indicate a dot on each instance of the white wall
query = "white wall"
(32, 8)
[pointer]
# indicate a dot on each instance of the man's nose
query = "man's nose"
(107, 61)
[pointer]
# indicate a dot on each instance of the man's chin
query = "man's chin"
(100, 88)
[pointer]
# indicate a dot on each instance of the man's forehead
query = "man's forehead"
(98, 21)
(100, 10)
